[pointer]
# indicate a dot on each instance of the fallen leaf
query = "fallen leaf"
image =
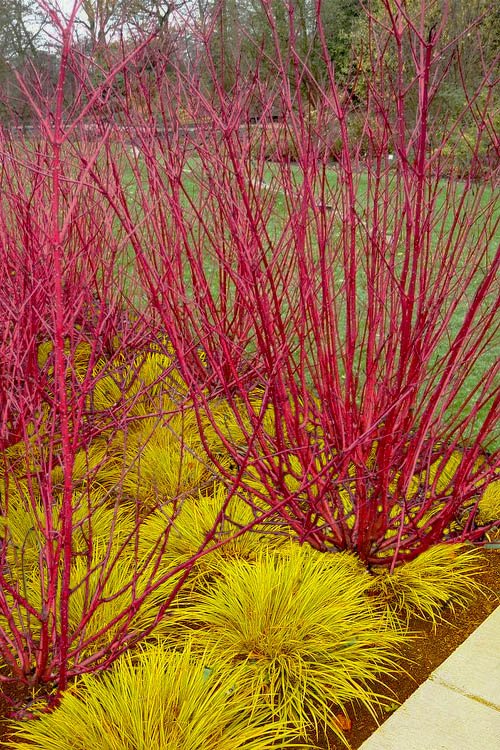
(344, 722)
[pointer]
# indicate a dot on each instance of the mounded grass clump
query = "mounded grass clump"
(94, 523)
(165, 461)
(306, 634)
(211, 513)
(444, 575)
(489, 504)
(105, 584)
(158, 700)
(105, 576)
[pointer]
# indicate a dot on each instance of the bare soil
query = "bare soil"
(422, 655)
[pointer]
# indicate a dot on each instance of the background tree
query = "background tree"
(339, 18)
(21, 29)
(105, 20)
(245, 36)
(23, 49)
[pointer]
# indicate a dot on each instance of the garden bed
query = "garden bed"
(425, 653)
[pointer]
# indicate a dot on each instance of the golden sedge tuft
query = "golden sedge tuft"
(444, 575)
(165, 461)
(308, 637)
(196, 519)
(159, 700)
(489, 504)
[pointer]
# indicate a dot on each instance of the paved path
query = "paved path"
(458, 707)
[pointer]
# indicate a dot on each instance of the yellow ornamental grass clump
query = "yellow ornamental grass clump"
(137, 384)
(24, 527)
(146, 386)
(108, 591)
(304, 630)
(106, 392)
(489, 504)
(19, 457)
(437, 483)
(158, 700)
(99, 468)
(22, 531)
(291, 470)
(78, 358)
(196, 518)
(165, 460)
(443, 575)
(438, 478)
(104, 584)
(302, 487)
(106, 576)
(96, 522)
(237, 427)
(153, 376)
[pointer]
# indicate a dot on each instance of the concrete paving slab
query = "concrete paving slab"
(474, 668)
(458, 707)
(437, 718)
